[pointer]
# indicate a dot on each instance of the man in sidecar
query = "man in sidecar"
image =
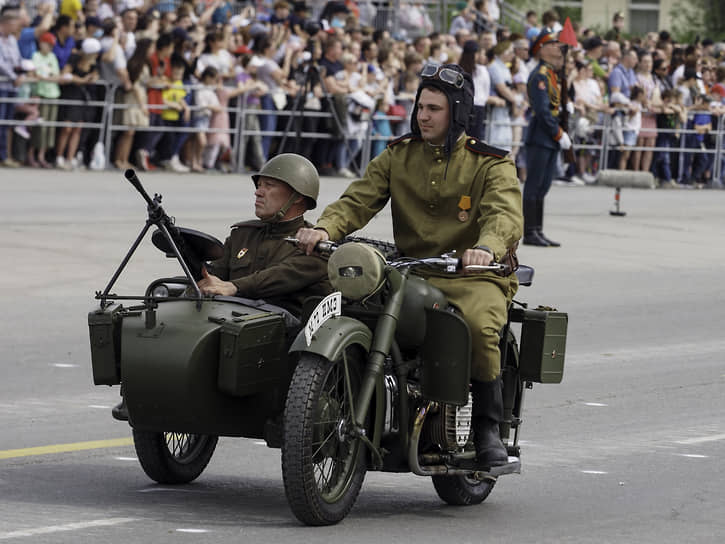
(258, 263)
(448, 191)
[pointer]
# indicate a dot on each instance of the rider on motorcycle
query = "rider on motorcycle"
(257, 262)
(448, 191)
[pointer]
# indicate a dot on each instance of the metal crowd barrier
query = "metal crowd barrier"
(600, 144)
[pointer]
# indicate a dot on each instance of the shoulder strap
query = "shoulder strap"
(482, 148)
(253, 223)
(409, 136)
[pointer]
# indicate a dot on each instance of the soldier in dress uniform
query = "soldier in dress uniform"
(448, 191)
(545, 138)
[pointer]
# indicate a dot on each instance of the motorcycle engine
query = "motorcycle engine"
(449, 427)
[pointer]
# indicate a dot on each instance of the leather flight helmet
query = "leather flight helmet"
(297, 172)
(458, 90)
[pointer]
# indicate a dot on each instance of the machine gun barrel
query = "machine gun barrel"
(187, 258)
(131, 176)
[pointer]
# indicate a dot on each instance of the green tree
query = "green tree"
(693, 18)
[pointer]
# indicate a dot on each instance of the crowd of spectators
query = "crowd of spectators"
(188, 64)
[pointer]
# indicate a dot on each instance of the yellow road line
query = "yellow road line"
(64, 448)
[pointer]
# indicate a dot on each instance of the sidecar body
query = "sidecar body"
(217, 366)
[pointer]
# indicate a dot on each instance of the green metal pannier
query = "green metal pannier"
(543, 344)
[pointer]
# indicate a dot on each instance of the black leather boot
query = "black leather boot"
(531, 225)
(486, 414)
(120, 411)
(540, 223)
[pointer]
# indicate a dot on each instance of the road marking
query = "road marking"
(692, 455)
(65, 448)
(170, 489)
(64, 365)
(99, 406)
(126, 458)
(66, 527)
(593, 472)
(192, 530)
(702, 439)
(595, 404)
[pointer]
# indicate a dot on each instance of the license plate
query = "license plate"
(330, 306)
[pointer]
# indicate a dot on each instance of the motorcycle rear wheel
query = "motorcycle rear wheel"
(173, 458)
(460, 490)
(323, 463)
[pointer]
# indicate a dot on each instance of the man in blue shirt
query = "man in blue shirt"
(623, 78)
(65, 43)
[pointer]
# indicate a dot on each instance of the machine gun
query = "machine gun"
(190, 247)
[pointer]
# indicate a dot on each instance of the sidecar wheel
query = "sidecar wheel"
(323, 463)
(173, 458)
(462, 490)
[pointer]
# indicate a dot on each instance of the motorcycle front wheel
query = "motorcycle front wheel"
(323, 461)
(460, 490)
(173, 458)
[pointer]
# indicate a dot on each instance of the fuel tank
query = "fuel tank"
(419, 295)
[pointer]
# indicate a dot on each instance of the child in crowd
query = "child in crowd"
(207, 102)
(630, 111)
(671, 118)
(47, 88)
(31, 112)
(175, 114)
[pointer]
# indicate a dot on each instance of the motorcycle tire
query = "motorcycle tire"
(460, 490)
(173, 458)
(323, 464)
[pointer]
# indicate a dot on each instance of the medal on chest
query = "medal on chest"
(464, 205)
(242, 252)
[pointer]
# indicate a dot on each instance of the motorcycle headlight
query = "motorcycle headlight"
(357, 270)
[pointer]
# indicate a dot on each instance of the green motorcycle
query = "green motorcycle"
(373, 377)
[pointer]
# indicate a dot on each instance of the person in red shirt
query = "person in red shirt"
(161, 74)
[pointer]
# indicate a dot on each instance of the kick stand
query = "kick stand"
(617, 197)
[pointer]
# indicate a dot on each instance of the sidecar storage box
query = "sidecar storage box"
(105, 333)
(543, 344)
(252, 353)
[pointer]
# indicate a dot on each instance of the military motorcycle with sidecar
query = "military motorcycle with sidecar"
(373, 377)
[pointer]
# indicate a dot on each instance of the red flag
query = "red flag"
(567, 34)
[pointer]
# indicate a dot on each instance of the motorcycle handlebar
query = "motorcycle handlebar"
(446, 262)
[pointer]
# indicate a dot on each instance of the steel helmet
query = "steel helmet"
(297, 172)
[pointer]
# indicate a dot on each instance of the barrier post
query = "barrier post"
(108, 110)
(617, 197)
(239, 126)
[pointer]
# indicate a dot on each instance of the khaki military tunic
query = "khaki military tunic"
(263, 265)
(438, 205)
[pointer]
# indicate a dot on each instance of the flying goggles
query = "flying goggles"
(446, 75)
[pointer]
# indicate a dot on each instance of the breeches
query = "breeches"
(483, 302)
(540, 168)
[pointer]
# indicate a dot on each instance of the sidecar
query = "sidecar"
(191, 368)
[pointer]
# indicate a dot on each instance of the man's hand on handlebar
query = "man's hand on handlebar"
(212, 285)
(307, 239)
(475, 257)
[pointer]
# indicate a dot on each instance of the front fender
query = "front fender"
(333, 336)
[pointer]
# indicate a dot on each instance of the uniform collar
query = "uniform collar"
(285, 227)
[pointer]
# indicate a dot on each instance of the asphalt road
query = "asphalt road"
(627, 449)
